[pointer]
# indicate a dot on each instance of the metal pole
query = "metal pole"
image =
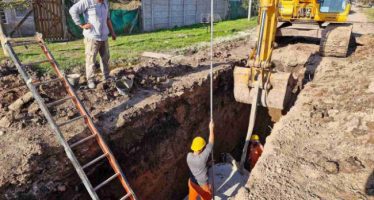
(211, 79)
(249, 9)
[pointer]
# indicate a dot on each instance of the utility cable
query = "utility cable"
(211, 80)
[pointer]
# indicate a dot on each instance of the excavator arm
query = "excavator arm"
(258, 83)
(274, 86)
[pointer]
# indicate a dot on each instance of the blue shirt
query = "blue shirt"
(94, 13)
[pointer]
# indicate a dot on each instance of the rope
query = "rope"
(211, 79)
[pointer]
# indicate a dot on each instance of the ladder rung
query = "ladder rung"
(126, 196)
(46, 82)
(94, 161)
(36, 63)
(72, 120)
(82, 140)
(23, 43)
(59, 101)
(106, 181)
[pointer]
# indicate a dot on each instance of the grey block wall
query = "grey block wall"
(160, 14)
(27, 28)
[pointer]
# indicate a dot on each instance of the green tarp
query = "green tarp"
(124, 21)
(237, 10)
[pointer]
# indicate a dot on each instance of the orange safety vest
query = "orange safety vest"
(254, 155)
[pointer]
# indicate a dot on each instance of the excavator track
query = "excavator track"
(335, 40)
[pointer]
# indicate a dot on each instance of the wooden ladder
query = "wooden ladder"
(84, 115)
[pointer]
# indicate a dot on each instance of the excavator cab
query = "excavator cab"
(322, 19)
(332, 6)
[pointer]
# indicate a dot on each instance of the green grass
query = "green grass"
(369, 13)
(126, 49)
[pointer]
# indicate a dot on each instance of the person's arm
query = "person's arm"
(211, 132)
(261, 147)
(77, 9)
(209, 147)
(111, 30)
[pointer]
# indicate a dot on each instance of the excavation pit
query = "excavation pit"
(149, 132)
(151, 144)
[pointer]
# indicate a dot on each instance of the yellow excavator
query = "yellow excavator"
(259, 83)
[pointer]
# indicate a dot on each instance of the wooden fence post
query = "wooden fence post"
(3, 38)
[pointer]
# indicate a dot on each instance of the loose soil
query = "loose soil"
(323, 148)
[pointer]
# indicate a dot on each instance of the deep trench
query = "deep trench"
(152, 147)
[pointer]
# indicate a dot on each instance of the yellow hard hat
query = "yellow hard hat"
(198, 143)
(255, 138)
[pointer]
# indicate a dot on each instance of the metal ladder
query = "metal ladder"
(84, 115)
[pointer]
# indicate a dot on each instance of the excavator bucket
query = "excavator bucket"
(278, 95)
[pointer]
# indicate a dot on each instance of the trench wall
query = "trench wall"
(152, 146)
(150, 136)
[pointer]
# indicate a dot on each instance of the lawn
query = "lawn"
(369, 13)
(126, 49)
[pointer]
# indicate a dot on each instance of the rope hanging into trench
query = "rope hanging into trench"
(211, 79)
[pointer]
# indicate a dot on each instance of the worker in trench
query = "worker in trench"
(96, 28)
(197, 162)
(255, 151)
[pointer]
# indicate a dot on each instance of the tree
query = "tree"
(15, 3)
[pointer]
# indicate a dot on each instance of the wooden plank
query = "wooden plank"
(156, 55)
(64, 26)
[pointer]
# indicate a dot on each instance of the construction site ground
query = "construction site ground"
(322, 148)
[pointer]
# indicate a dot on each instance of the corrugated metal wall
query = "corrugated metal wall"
(159, 14)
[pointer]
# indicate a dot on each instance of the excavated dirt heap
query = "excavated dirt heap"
(149, 131)
(324, 147)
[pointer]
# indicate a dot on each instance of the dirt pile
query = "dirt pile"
(149, 129)
(323, 148)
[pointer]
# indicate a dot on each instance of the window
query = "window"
(332, 6)
(2, 16)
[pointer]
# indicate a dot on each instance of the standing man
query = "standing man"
(255, 151)
(197, 162)
(96, 28)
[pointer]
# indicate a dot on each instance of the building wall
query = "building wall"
(159, 14)
(13, 16)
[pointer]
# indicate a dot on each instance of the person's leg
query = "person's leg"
(91, 49)
(104, 59)
(192, 195)
(206, 194)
